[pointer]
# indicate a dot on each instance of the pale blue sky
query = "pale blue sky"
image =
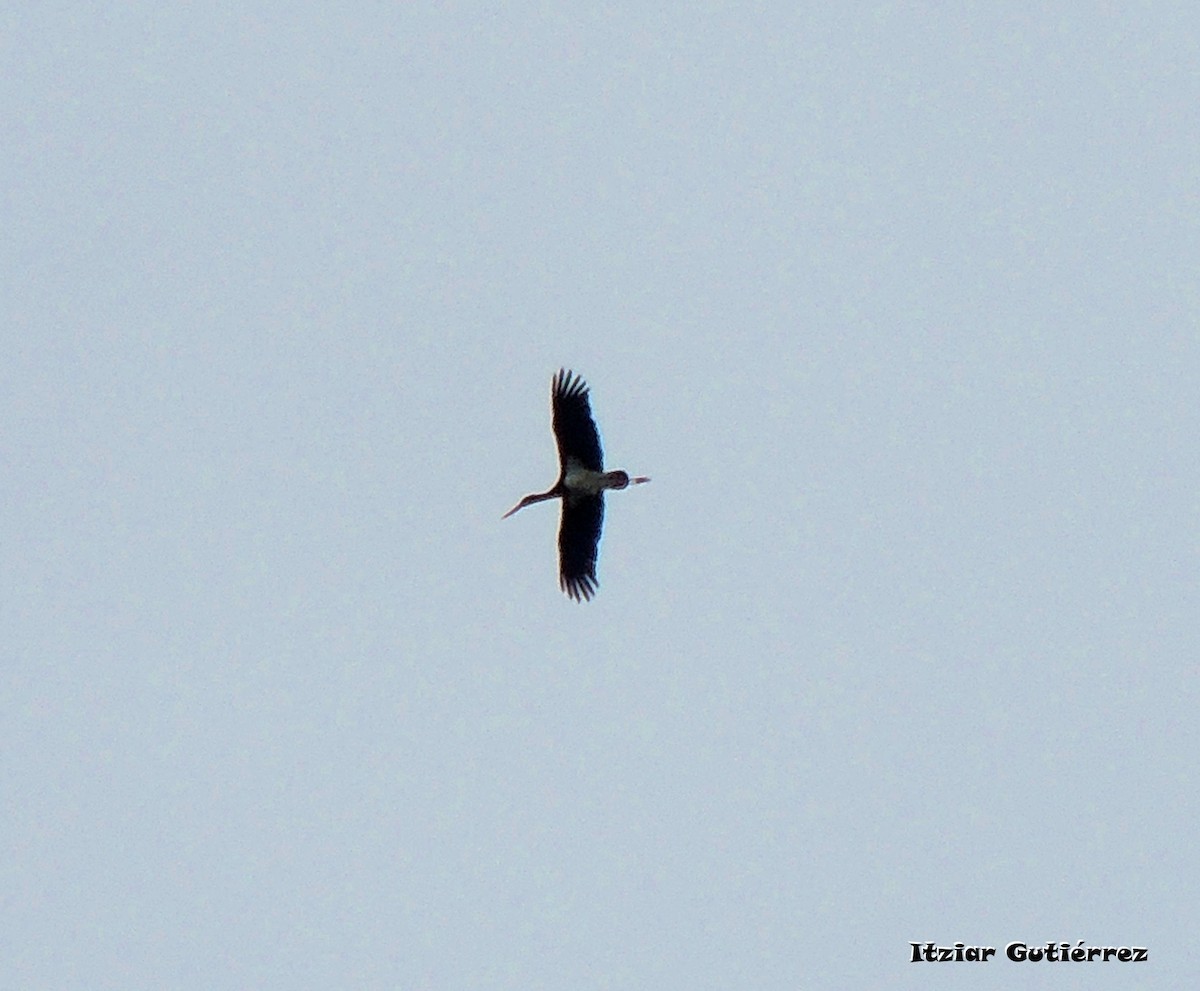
(898, 307)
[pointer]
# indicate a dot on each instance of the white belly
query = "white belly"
(580, 479)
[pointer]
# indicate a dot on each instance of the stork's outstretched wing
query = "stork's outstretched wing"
(574, 429)
(578, 540)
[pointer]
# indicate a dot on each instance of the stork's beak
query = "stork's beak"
(520, 505)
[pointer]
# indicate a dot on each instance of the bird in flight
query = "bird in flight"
(581, 484)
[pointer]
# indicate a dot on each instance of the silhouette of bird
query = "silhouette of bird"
(581, 484)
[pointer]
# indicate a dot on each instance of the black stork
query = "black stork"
(581, 484)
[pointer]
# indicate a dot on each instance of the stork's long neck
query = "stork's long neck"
(529, 500)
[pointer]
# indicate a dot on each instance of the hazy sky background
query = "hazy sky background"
(897, 304)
